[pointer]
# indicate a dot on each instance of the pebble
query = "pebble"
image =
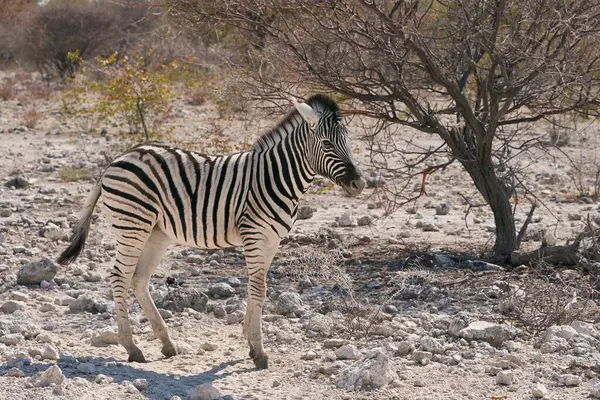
(105, 338)
(346, 220)
(569, 380)
(595, 391)
(348, 352)
(50, 353)
(166, 314)
(92, 277)
(305, 212)
(208, 346)
(37, 271)
(505, 377)
(365, 220)
(288, 303)
(221, 289)
(442, 209)
(206, 391)
(19, 296)
(86, 368)
(539, 391)
(52, 375)
(12, 306)
(140, 384)
(219, 311)
(15, 373)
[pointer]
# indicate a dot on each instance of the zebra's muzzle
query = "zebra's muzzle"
(355, 186)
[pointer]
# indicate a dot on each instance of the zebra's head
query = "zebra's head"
(329, 146)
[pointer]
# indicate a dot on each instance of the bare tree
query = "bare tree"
(464, 70)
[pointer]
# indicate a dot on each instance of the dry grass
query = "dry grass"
(39, 91)
(70, 174)
(197, 96)
(31, 118)
(7, 90)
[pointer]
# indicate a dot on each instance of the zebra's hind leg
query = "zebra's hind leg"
(128, 253)
(153, 251)
(259, 253)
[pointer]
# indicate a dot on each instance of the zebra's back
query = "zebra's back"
(194, 199)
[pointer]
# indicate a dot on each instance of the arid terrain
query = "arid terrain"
(361, 306)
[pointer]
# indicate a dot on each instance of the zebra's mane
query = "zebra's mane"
(322, 104)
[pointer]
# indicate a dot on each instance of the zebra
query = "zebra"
(155, 195)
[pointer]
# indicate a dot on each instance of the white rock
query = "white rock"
(346, 220)
(595, 391)
(206, 391)
(105, 338)
(569, 380)
(52, 375)
(560, 331)
(289, 302)
(432, 345)
(505, 377)
(348, 352)
(140, 384)
(585, 328)
(12, 339)
(12, 306)
(19, 296)
(50, 353)
(494, 334)
(539, 391)
(377, 372)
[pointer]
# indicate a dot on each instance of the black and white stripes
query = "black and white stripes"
(155, 195)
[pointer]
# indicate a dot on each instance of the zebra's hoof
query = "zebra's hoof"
(136, 356)
(169, 351)
(261, 362)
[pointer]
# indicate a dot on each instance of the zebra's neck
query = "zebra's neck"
(285, 152)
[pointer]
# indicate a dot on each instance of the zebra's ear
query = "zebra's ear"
(307, 113)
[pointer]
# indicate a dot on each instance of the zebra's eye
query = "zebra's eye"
(327, 145)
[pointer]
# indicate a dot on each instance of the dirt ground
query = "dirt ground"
(413, 270)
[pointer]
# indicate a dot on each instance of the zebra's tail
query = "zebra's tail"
(81, 229)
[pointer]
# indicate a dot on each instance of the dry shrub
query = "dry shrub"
(7, 90)
(544, 297)
(197, 97)
(39, 91)
(31, 118)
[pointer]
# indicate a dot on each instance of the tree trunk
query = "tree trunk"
(494, 193)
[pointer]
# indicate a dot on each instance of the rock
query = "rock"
(234, 282)
(91, 276)
(309, 355)
(5, 212)
(585, 328)
(140, 384)
(376, 371)
(235, 317)
(553, 345)
(221, 289)
(346, 220)
(37, 271)
(334, 343)
(15, 373)
(495, 334)
(595, 391)
(432, 345)
(17, 182)
(52, 375)
(319, 323)
(289, 302)
(569, 380)
(12, 306)
(365, 220)
(404, 348)
(442, 209)
(422, 357)
(219, 311)
(206, 391)
(208, 346)
(390, 309)
(505, 378)
(12, 339)
(165, 314)
(539, 391)
(348, 352)
(53, 232)
(305, 212)
(560, 331)
(105, 338)
(50, 353)
(19, 296)
(86, 368)
(179, 298)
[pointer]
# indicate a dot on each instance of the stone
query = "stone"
(569, 380)
(105, 338)
(208, 346)
(309, 355)
(51, 376)
(585, 328)
(140, 384)
(15, 372)
(206, 391)
(288, 303)
(17, 182)
(495, 334)
(305, 212)
(219, 311)
(365, 220)
(346, 220)
(505, 378)
(390, 309)
(375, 371)
(539, 391)
(35, 272)
(560, 331)
(86, 368)
(442, 209)
(221, 289)
(165, 314)
(348, 352)
(432, 345)
(404, 348)
(19, 296)
(91, 276)
(422, 357)
(178, 298)
(5, 212)
(235, 317)
(595, 391)
(12, 339)
(334, 343)
(50, 353)
(12, 306)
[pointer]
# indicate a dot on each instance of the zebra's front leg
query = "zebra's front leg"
(259, 254)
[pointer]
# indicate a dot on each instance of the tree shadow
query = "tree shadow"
(160, 386)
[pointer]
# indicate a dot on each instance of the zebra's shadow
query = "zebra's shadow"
(160, 385)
